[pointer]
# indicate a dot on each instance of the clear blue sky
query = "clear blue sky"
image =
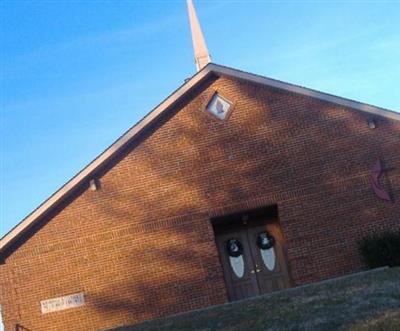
(76, 74)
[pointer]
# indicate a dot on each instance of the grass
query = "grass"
(364, 302)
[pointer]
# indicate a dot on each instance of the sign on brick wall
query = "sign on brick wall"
(62, 303)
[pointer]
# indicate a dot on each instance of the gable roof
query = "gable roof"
(189, 85)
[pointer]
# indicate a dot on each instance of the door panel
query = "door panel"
(278, 277)
(238, 287)
(258, 269)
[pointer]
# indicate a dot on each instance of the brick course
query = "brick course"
(142, 246)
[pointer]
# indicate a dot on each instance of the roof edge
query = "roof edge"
(107, 154)
(305, 91)
(28, 221)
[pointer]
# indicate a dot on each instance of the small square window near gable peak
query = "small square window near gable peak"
(219, 106)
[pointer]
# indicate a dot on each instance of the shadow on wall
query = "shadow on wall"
(138, 259)
(273, 144)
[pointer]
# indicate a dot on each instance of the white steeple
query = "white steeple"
(201, 55)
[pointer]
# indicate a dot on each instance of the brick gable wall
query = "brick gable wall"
(143, 247)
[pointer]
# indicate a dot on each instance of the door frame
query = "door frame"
(242, 220)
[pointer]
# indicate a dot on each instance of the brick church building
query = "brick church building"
(234, 186)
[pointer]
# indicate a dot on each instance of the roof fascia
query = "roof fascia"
(222, 70)
(27, 222)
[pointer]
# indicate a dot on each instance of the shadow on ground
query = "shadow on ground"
(367, 301)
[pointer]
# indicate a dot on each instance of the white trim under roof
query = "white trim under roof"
(26, 223)
(218, 69)
(96, 163)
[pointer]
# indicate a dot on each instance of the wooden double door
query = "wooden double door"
(253, 258)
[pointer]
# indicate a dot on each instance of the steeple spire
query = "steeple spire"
(201, 55)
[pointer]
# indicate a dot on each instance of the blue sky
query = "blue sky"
(76, 74)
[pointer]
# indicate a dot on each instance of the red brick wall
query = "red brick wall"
(142, 246)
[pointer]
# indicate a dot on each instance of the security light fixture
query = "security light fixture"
(371, 123)
(94, 185)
